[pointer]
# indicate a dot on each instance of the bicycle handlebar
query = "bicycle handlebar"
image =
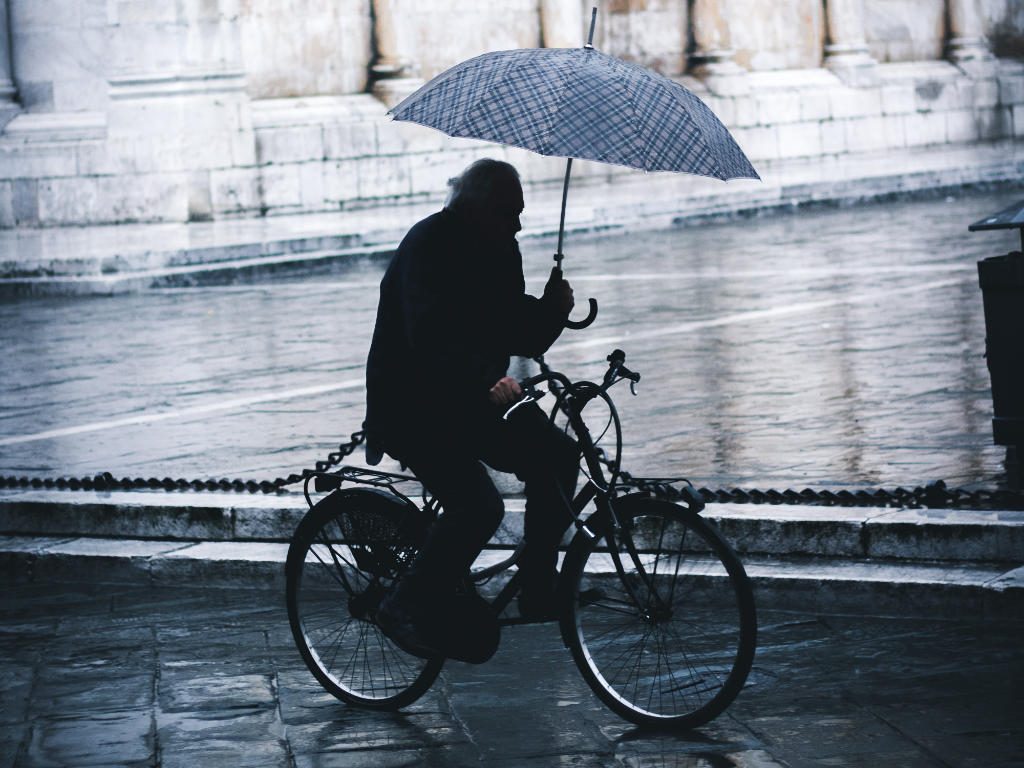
(616, 372)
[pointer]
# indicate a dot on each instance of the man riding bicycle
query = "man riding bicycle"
(452, 310)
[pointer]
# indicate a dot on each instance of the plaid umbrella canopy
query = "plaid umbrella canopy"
(578, 103)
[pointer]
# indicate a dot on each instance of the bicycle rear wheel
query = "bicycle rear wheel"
(662, 621)
(345, 555)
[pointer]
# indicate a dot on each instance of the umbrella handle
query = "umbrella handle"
(591, 316)
(556, 273)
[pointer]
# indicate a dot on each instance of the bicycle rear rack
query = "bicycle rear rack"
(330, 481)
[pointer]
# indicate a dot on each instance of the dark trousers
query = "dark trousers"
(449, 465)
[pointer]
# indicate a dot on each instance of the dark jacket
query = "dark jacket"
(452, 310)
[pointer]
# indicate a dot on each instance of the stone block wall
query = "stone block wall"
(138, 110)
(342, 152)
(790, 38)
(651, 33)
(906, 30)
(432, 35)
(305, 47)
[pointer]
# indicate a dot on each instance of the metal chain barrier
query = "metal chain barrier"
(107, 482)
(935, 495)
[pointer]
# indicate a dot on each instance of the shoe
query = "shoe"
(467, 629)
(402, 628)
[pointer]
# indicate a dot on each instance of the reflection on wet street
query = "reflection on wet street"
(823, 347)
(183, 677)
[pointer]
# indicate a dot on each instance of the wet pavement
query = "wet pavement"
(138, 677)
(833, 347)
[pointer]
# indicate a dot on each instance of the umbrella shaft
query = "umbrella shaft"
(561, 221)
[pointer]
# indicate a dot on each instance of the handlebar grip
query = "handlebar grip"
(617, 369)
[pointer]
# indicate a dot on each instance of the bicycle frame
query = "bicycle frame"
(610, 569)
(572, 398)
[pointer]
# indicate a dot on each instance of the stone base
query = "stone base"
(7, 113)
(723, 76)
(391, 91)
(858, 70)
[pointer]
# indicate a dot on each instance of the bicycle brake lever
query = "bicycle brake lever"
(632, 387)
(530, 398)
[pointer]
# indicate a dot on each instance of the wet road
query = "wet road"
(133, 677)
(823, 348)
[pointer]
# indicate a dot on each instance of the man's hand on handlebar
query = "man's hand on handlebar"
(505, 392)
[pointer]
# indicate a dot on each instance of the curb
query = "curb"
(953, 535)
(938, 563)
(862, 586)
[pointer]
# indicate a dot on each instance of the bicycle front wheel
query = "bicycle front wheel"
(346, 554)
(662, 621)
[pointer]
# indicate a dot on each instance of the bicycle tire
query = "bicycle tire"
(346, 553)
(672, 657)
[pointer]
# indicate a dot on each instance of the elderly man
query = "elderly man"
(452, 310)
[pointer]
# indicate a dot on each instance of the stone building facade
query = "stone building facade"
(142, 110)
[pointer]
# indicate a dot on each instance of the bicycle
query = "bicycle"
(655, 607)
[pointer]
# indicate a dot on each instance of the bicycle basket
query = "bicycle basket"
(383, 530)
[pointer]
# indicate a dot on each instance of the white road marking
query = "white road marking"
(603, 341)
(789, 274)
(222, 405)
(758, 314)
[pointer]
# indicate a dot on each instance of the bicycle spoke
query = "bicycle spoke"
(675, 575)
(355, 545)
(662, 644)
(614, 609)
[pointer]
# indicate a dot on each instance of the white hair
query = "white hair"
(479, 183)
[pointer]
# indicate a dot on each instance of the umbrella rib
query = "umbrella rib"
(508, 61)
(703, 135)
(563, 97)
(639, 144)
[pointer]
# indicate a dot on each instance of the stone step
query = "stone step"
(131, 257)
(876, 587)
(953, 535)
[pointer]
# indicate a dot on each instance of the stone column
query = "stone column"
(967, 46)
(179, 117)
(393, 73)
(561, 24)
(713, 59)
(7, 90)
(8, 105)
(846, 53)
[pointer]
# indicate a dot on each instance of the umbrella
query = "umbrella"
(578, 103)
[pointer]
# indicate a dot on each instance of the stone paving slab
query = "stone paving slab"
(183, 677)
